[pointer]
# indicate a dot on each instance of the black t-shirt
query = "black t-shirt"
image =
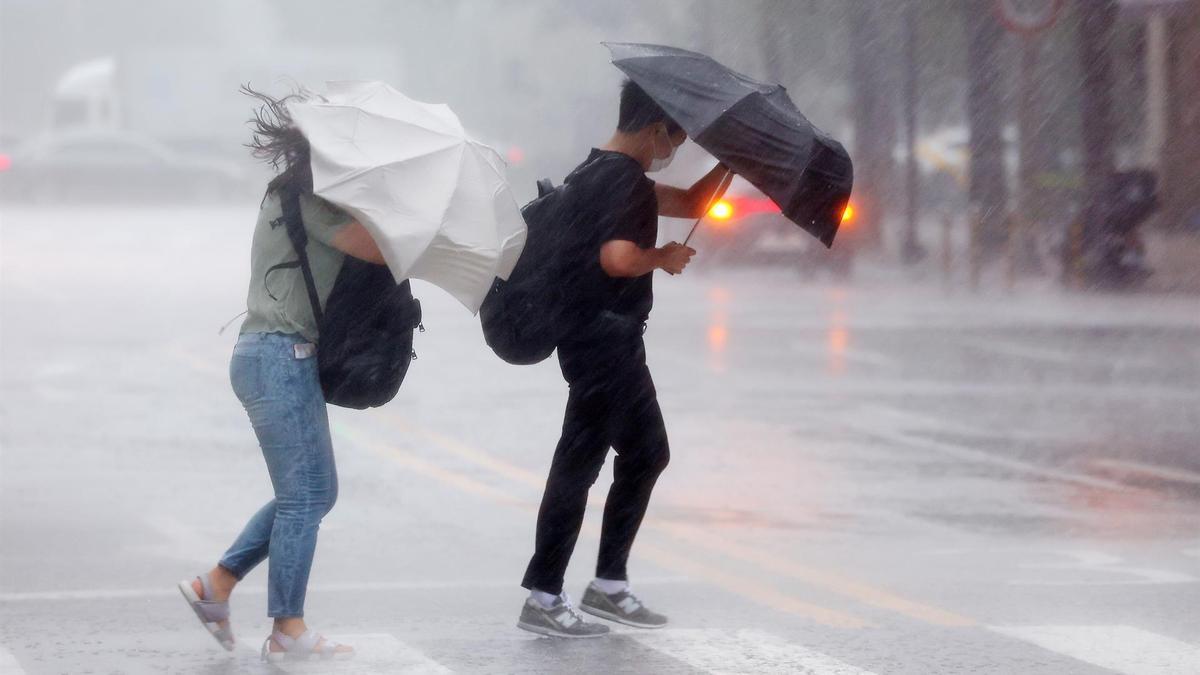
(613, 200)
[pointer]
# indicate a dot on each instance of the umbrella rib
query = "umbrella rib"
(360, 172)
(394, 120)
(441, 220)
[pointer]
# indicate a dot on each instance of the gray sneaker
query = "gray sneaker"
(560, 620)
(623, 607)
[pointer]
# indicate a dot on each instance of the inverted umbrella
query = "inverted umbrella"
(752, 127)
(434, 200)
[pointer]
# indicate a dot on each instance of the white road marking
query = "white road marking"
(906, 421)
(1124, 649)
(169, 590)
(906, 438)
(744, 651)
(871, 386)
(822, 351)
(1085, 566)
(1151, 470)
(1027, 352)
(373, 653)
(8, 663)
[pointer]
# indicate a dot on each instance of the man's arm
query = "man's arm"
(676, 202)
(620, 258)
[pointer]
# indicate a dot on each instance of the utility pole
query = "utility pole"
(874, 119)
(1180, 163)
(911, 251)
(1097, 19)
(1028, 19)
(988, 192)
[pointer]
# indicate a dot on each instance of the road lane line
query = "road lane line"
(763, 595)
(1124, 649)
(853, 386)
(1040, 354)
(842, 585)
(734, 583)
(373, 653)
(9, 664)
(822, 352)
(180, 352)
(481, 458)
(743, 651)
(869, 595)
(982, 456)
(755, 591)
(1152, 470)
(471, 453)
(747, 587)
(409, 461)
(249, 589)
(1082, 564)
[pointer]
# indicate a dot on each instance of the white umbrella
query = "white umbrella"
(435, 201)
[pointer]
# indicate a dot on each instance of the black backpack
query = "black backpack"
(366, 328)
(524, 318)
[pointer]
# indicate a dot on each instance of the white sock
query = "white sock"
(546, 600)
(610, 586)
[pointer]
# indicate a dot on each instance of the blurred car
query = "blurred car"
(106, 166)
(746, 228)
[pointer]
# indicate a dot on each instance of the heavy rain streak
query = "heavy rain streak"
(579, 336)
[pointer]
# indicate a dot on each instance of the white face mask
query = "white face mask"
(660, 163)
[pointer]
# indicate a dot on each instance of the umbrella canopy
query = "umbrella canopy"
(435, 201)
(752, 127)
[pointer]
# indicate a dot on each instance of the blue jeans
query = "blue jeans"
(282, 395)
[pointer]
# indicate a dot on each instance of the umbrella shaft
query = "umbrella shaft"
(725, 181)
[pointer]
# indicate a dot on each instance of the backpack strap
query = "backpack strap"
(289, 200)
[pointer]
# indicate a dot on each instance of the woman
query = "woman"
(274, 375)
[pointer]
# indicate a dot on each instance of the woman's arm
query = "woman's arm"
(676, 202)
(354, 240)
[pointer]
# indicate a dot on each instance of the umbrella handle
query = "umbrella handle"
(725, 181)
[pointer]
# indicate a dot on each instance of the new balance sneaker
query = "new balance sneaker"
(559, 620)
(623, 607)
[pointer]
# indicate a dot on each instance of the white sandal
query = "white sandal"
(210, 612)
(302, 648)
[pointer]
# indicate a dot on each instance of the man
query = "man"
(612, 401)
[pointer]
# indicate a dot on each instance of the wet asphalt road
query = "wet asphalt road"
(876, 478)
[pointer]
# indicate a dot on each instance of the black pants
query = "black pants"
(612, 403)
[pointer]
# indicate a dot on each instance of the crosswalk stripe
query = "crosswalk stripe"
(1125, 649)
(743, 651)
(8, 663)
(1125, 466)
(373, 653)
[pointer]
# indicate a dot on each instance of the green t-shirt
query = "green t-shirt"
(290, 311)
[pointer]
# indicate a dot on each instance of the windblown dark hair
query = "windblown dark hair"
(276, 140)
(639, 111)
